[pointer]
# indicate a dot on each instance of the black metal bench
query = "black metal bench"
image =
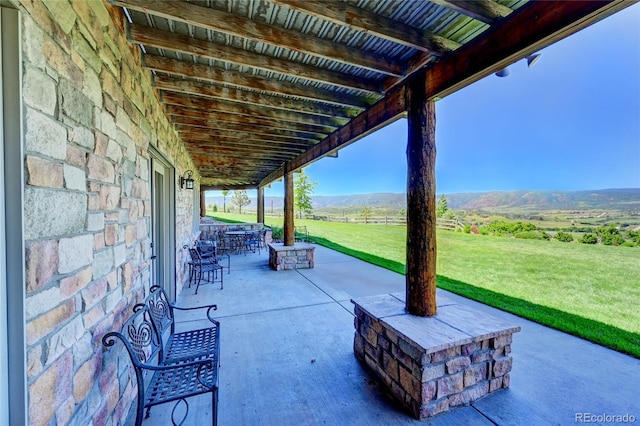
(169, 366)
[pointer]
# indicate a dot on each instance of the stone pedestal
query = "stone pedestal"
(432, 364)
(297, 256)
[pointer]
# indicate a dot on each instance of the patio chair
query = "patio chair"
(211, 250)
(252, 241)
(199, 267)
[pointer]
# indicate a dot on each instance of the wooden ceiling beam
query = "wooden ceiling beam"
(247, 143)
(252, 98)
(222, 135)
(263, 143)
(222, 148)
(368, 22)
(141, 34)
(238, 26)
(194, 141)
(379, 115)
(487, 11)
(279, 159)
(218, 187)
(530, 28)
(198, 124)
(229, 163)
(245, 81)
(207, 104)
(265, 123)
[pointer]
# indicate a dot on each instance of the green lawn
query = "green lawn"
(592, 291)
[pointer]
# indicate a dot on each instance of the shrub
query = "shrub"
(612, 239)
(607, 230)
(277, 232)
(564, 237)
(589, 239)
(467, 229)
(500, 227)
(634, 236)
(532, 235)
(628, 244)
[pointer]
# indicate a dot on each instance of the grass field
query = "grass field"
(591, 291)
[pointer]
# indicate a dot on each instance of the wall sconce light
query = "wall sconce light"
(186, 181)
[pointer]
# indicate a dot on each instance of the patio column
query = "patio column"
(203, 204)
(421, 201)
(261, 205)
(289, 239)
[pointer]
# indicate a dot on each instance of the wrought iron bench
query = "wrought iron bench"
(169, 366)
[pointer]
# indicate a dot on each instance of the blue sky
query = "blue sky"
(570, 122)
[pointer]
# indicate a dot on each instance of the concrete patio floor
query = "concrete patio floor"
(287, 357)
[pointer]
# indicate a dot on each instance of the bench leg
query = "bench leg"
(214, 405)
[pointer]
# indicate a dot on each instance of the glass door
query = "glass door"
(163, 224)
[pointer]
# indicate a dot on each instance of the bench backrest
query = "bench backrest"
(140, 336)
(161, 312)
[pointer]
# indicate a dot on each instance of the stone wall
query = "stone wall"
(90, 114)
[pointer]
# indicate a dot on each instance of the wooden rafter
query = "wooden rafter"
(371, 23)
(487, 11)
(184, 44)
(229, 135)
(226, 151)
(234, 25)
(206, 104)
(243, 96)
(198, 124)
(185, 125)
(266, 123)
(241, 80)
(257, 142)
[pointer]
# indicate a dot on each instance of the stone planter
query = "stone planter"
(432, 364)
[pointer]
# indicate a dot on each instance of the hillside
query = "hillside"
(617, 199)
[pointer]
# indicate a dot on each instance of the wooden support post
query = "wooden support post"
(203, 204)
(421, 201)
(261, 205)
(289, 236)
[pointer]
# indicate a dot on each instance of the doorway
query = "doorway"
(163, 250)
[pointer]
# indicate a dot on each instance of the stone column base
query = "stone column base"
(432, 364)
(297, 256)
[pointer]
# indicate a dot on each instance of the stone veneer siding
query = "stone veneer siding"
(455, 368)
(90, 114)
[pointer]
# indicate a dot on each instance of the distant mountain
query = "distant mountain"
(619, 199)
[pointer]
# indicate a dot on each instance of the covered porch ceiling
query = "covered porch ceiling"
(258, 88)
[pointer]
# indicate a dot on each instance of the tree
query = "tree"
(225, 192)
(303, 188)
(442, 207)
(366, 213)
(240, 199)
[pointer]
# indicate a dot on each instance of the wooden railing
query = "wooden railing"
(441, 223)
